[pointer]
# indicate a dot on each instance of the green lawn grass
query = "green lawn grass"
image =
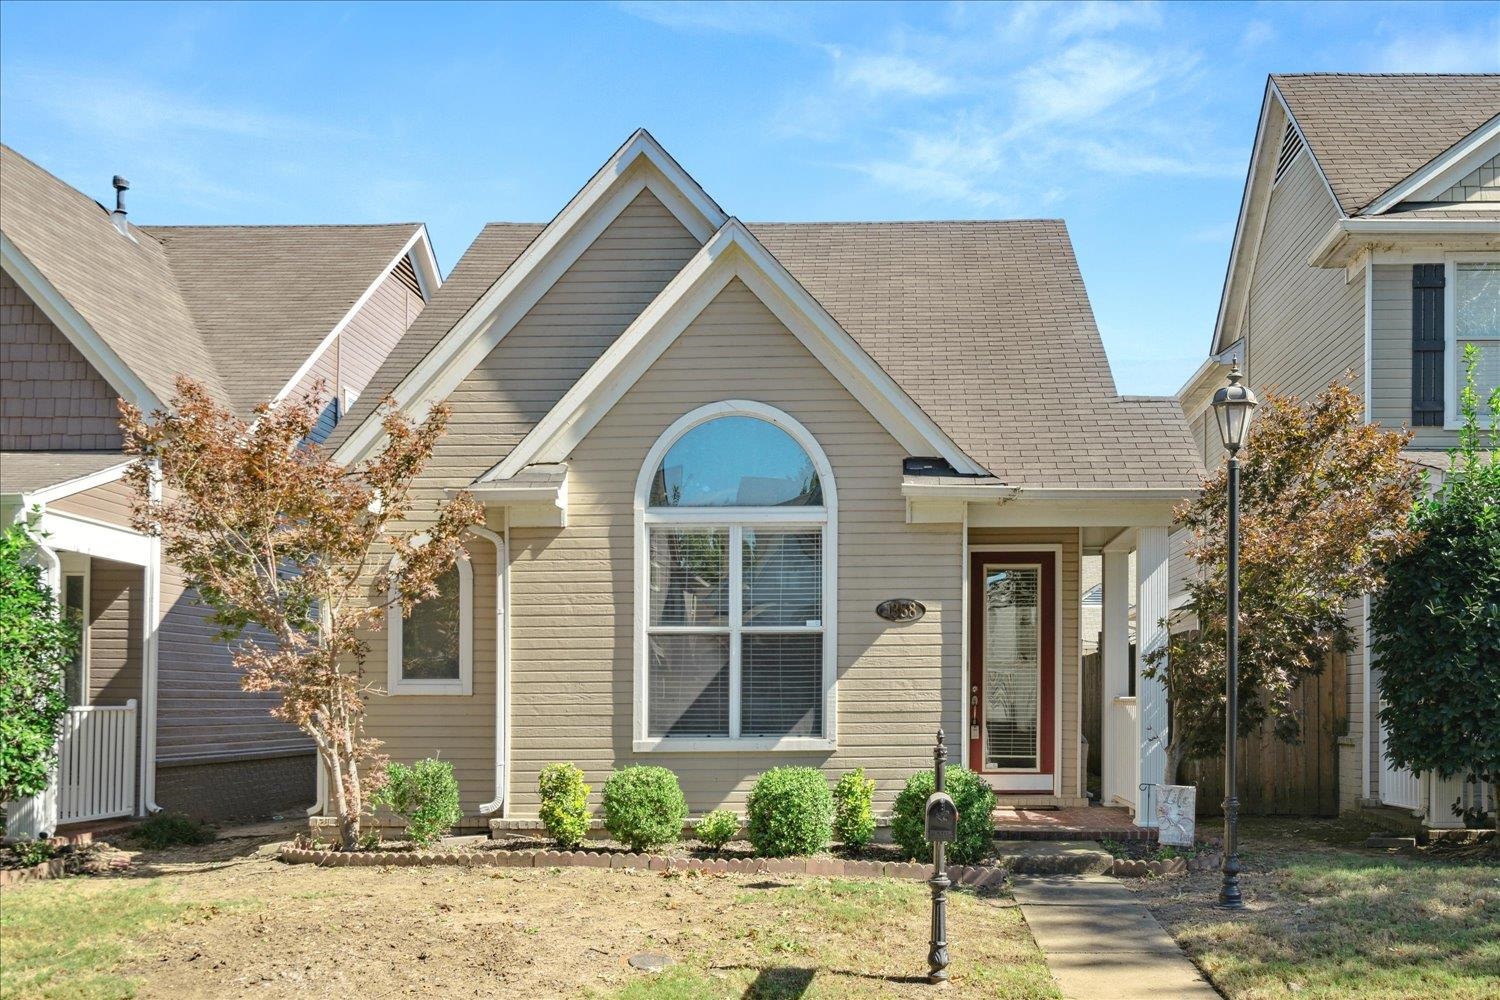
(1330, 921)
(64, 939)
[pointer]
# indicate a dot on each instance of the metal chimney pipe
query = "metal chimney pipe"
(118, 215)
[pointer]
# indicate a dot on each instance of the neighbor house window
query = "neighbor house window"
(1476, 321)
(431, 650)
(736, 535)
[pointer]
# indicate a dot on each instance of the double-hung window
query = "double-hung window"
(736, 533)
(1476, 320)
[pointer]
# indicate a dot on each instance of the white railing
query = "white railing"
(1121, 752)
(1398, 786)
(96, 763)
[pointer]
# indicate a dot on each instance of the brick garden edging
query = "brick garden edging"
(51, 868)
(976, 876)
(1131, 868)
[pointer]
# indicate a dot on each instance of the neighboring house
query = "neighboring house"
(94, 309)
(710, 454)
(1368, 243)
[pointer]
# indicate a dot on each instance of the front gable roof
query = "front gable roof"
(241, 309)
(640, 164)
(970, 340)
(1369, 132)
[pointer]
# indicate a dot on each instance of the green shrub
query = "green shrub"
(36, 646)
(565, 804)
(164, 829)
(717, 828)
(791, 812)
(975, 801)
(29, 853)
(853, 811)
(644, 807)
(425, 795)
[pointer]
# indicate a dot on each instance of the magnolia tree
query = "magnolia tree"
(1323, 505)
(298, 557)
(1436, 623)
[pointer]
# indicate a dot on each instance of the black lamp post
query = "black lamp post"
(1234, 404)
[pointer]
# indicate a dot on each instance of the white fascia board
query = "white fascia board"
(1256, 148)
(1348, 238)
(418, 237)
(733, 252)
(78, 485)
(639, 164)
(77, 329)
(424, 262)
(1443, 171)
(75, 533)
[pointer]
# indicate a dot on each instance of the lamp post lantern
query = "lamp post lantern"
(1234, 405)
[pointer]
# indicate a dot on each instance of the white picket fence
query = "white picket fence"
(96, 763)
(1398, 786)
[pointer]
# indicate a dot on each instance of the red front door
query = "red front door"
(1013, 668)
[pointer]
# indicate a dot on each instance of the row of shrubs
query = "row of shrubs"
(791, 811)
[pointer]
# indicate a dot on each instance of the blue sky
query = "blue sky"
(1132, 122)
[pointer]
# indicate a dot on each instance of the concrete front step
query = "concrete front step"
(1053, 857)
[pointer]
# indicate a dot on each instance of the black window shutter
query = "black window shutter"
(1427, 282)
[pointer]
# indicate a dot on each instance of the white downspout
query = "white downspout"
(501, 802)
(151, 584)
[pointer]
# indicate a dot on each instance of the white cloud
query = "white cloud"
(117, 110)
(1256, 34)
(888, 74)
(1087, 79)
(1443, 51)
(730, 17)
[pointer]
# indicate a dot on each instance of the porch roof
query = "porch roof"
(30, 471)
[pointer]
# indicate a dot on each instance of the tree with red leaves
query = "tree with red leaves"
(298, 557)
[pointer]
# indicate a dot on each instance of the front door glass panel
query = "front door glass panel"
(1012, 667)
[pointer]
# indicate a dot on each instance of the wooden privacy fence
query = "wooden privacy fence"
(1276, 778)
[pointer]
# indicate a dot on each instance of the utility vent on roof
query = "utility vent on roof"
(407, 275)
(1291, 145)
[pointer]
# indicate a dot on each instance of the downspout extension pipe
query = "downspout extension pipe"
(498, 804)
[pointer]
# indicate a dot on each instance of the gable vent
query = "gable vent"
(1291, 145)
(407, 275)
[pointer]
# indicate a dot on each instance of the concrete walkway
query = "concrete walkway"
(1103, 945)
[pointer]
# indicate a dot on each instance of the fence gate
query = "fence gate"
(96, 763)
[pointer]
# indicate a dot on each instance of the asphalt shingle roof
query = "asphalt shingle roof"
(986, 325)
(238, 308)
(1369, 132)
(27, 471)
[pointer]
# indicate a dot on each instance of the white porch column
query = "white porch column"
(1114, 649)
(1438, 796)
(1151, 608)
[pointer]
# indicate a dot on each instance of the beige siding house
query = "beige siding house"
(93, 310)
(1368, 244)
(769, 494)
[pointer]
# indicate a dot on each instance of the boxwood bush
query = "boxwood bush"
(975, 801)
(644, 807)
(425, 795)
(717, 828)
(791, 812)
(853, 811)
(565, 804)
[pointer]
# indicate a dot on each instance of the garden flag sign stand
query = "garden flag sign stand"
(941, 827)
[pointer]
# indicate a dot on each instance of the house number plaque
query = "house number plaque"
(901, 609)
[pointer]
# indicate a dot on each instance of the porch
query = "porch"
(102, 577)
(1076, 823)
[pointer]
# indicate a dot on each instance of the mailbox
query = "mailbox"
(942, 819)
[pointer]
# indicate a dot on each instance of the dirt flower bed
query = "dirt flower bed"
(227, 920)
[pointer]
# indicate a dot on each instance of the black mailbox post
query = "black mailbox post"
(942, 829)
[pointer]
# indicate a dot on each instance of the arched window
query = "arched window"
(735, 584)
(431, 650)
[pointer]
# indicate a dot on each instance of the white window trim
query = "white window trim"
(735, 518)
(1452, 357)
(396, 684)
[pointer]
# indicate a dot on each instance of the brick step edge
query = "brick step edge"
(965, 875)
